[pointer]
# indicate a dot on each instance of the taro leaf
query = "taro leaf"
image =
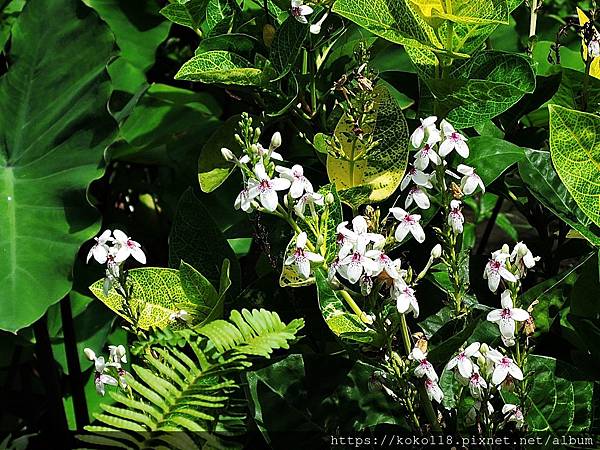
(188, 13)
(341, 322)
(537, 172)
(382, 167)
(575, 151)
(394, 20)
(484, 87)
(558, 401)
(329, 218)
(491, 157)
(54, 126)
(156, 294)
(139, 30)
(218, 66)
(196, 239)
(213, 170)
(287, 45)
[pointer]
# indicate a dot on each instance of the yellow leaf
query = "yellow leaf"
(595, 67)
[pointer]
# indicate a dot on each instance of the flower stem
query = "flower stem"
(354, 307)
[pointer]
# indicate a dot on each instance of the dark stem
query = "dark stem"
(490, 226)
(56, 426)
(75, 379)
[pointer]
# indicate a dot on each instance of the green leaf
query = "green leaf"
(575, 151)
(197, 288)
(54, 126)
(8, 15)
(213, 169)
(477, 12)
(380, 169)
(394, 20)
(287, 44)
(484, 87)
(492, 157)
(559, 402)
(219, 15)
(139, 30)
(218, 66)
(156, 294)
(196, 239)
(188, 14)
(242, 44)
(537, 172)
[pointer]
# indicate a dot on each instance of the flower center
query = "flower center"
(408, 220)
(495, 265)
(505, 361)
(296, 12)
(356, 257)
(299, 253)
(506, 313)
(454, 136)
(265, 185)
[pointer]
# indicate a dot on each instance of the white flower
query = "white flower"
(522, 257)
(436, 252)
(100, 378)
(504, 366)
(470, 180)
(127, 247)
(424, 368)
(433, 391)
(428, 128)
(384, 263)
(300, 10)
(455, 217)
(299, 182)
(495, 269)
(408, 223)
(416, 176)
(310, 199)
(406, 301)
(353, 265)
(181, 315)
(359, 235)
(117, 355)
(244, 201)
(366, 284)
(453, 141)
(315, 28)
(333, 269)
(506, 317)
(266, 188)
(513, 413)
(302, 258)
(463, 360)
(424, 156)
(476, 383)
(419, 196)
(100, 250)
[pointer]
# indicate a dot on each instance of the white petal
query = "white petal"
(421, 199)
(468, 185)
(462, 149)
(446, 147)
(122, 254)
(472, 349)
(494, 316)
(499, 374)
(507, 275)
(405, 182)
(301, 240)
(120, 236)
(429, 121)
(359, 225)
(138, 255)
(269, 200)
(303, 266)
(506, 300)
(417, 137)
(305, 10)
(418, 233)
(260, 172)
(507, 327)
(398, 213)
(107, 379)
(464, 169)
(100, 253)
(420, 178)
(515, 372)
(465, 367)
(280, 184)
(519, 314)
(493, 281)
(314, 257)
(401, 232)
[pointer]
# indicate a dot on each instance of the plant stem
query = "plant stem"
(533, 17)
(70, 343)
(586, 83)
(354, 307)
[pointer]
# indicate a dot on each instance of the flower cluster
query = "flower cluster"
(425, 369)
(483, 369)
(113, 248)
(301, 11)
(107, 373)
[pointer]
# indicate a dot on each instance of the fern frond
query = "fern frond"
(257, 333)
(189, 389)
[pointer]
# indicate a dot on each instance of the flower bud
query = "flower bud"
(522, 249)
(89, 354)
(481, 361)
(484, 349)
(505, 248)
(227, 154)
(329, 198)
(275, 141)
(436, 251)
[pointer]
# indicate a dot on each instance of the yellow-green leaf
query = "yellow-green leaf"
(595, 66)
(380, 169)
(575, 152)
(477, 12)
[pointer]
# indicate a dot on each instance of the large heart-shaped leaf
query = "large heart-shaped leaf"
(380, 169)
(575, 150)
(54, 126)
(492, 157)
(287, 44)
